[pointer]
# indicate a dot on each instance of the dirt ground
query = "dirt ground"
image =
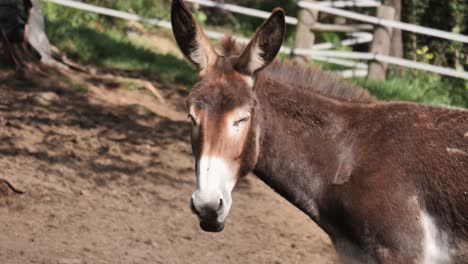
(107, 176)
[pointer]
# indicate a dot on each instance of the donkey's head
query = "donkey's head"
(223, 107)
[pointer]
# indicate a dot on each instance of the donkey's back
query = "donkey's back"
(430, 140)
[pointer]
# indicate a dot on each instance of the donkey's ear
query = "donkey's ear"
(190, 37)
(265, 44)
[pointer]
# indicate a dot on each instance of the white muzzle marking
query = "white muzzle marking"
(215, 181)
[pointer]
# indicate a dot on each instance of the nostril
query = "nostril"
(207, 208)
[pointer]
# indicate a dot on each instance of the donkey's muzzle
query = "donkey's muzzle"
(208, 213)
(207, 210)
(211, 226)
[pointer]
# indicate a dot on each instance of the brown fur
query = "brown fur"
(365, 171)
(355, 168)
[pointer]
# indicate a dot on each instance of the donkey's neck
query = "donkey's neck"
(305, 145)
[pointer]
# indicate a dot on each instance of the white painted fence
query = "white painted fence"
(324, 55)
(354, 3)
(241, 10)
(381, 58)
(329, 7)
(384, 22)
(292, 20)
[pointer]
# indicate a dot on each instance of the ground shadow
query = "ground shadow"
(100, 141)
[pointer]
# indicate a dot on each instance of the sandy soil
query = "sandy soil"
(107, 176)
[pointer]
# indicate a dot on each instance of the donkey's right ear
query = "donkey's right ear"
(190, 37)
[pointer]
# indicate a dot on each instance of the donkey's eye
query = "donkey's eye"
(241, 121)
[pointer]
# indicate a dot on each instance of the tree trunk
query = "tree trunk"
(381, 44)
(22, 34)
(14, 15)
(396, 48)
(305, 38)
(36, 35)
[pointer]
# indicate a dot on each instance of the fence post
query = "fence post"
(397, 42)
(381, 44)
(305, 38)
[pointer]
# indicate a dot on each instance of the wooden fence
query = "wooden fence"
(377, 58)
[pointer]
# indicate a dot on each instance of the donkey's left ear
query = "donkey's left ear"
(190, 37)
(265, 44)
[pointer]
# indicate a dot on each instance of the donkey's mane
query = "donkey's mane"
(302, 77)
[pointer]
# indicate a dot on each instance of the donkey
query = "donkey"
(387, 181)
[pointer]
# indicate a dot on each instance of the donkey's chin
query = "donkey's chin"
(212, 226)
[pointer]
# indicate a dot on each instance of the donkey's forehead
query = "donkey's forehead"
(222, 92)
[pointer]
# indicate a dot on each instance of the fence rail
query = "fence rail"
(341, 28)
(384, 22)
(381, 58)
(292, 20)
(128, 16)
(336, 57)
(241, 10)
(352, 73)
(329, 7)
(354, 3)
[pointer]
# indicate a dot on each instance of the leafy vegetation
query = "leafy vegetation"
(450, 15)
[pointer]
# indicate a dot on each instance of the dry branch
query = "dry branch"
(13, 188)
(147, 85)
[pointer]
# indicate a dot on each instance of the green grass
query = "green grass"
(83, 39)
(419, 87)
(112, 49)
